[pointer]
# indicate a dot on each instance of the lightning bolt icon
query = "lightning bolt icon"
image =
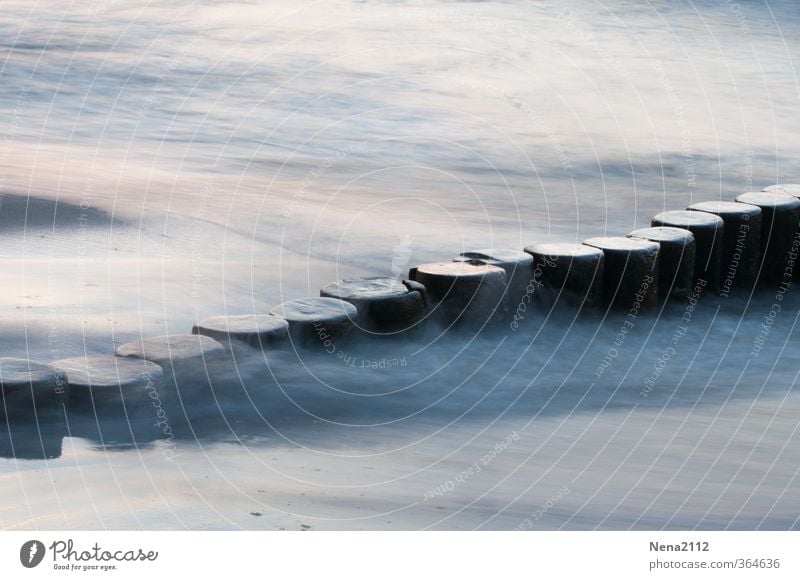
(34, 550)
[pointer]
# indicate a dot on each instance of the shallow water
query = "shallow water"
(161, 164)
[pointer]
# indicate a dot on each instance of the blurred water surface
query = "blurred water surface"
(163, 162)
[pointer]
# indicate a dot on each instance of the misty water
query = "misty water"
(166, 162)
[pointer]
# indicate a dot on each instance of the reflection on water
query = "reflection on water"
(550, 366)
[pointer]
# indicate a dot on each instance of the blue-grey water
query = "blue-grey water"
(163, 162)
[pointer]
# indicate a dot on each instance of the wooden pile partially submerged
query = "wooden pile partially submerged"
(725, 245)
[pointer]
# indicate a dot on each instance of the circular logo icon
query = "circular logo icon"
(31, 553)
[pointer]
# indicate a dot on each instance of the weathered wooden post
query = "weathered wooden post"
(463, 292)
(108, 384)
(630, 277)
(567, 274)
(517, 265)
(385, 305)
(676, 259)
(741, 251)
(708, 230)
(31, 391)
(780, 220)
(256, 330)
(317, 320)
(176, 350)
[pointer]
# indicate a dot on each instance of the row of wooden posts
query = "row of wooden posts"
(729, 247)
